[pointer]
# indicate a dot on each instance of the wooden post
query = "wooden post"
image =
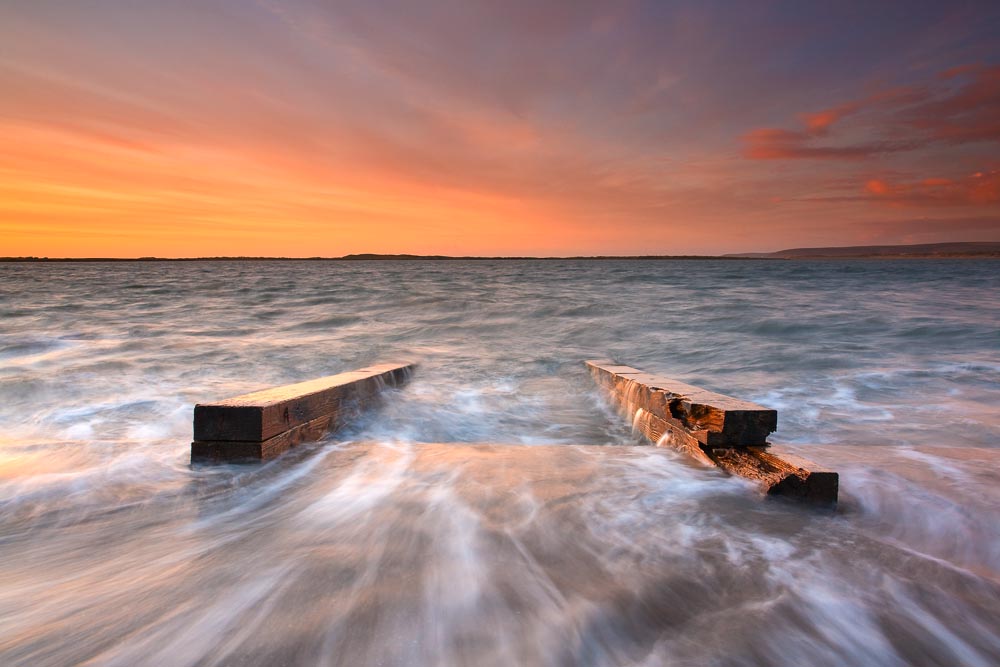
(263, 424)
(725, 431)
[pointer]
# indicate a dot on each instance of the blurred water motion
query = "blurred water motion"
(369, 548)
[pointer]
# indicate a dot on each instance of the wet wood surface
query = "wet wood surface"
(714, 428)
(713, 419)
(263, 424)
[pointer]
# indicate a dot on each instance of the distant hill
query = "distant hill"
(956, 250)
(362, 257)
(975, 249)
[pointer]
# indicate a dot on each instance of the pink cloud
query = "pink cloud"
(778, 144)
(895, 119)
(977, 189)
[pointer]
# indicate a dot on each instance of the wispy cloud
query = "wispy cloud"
(977, 189)
(962, 105)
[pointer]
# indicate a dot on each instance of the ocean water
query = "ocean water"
(496, 511)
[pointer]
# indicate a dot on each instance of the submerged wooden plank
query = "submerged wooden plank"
(263, 424)
(260, 415)
(711, 427)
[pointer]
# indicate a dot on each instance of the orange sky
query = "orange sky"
(295, 129)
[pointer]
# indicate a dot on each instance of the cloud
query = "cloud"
(818, 123)
(926, 229)
(961, 106)
(977, 189)
(970, 113)
(778, 144)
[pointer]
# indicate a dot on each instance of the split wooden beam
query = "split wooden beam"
(715, 429)
(263, 424)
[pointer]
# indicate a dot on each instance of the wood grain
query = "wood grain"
(260, 415)
(263, 424)
(715, 429)
(714, 419)
(234, 451)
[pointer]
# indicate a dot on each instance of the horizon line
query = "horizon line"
(952, 249)
(354, 257)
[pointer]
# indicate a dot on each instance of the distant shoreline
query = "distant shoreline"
(430, 258)
(373, 258)
(948, 250)
(389, 258)
(962, 250)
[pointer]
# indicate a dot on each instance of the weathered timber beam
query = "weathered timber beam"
(263, 424)
(714, 428)
(779, 472)
(667, 434)
(713, 419)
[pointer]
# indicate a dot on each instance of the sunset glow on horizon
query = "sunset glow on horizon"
(300, 128)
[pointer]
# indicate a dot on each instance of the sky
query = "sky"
(306, 128)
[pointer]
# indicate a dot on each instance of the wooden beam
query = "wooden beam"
(714, 428)
(263, 424)
(234, 451)
(779, 472)
(666, 434)
(713, 419)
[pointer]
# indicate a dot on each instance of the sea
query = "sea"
(497, 510)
